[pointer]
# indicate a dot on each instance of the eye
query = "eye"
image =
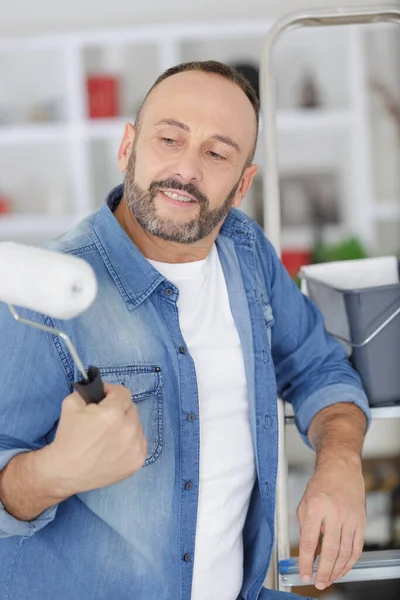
(168, 141)
(216, 156)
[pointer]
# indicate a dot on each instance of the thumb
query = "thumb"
(74, 401)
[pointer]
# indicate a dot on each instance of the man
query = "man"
(172, 495)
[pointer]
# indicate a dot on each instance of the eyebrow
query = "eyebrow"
(224, 139)
(173, 123)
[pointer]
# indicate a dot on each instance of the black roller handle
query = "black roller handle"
(92, 391)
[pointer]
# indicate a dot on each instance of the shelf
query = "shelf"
(104, 129)
(32, 134)
(314, 120)
(93, 129)
(384, 564)
(288, 121)
(388, 210)
(32, 225)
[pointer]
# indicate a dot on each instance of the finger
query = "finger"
(345, 552)
(117, 397)
(329, 553)
(132, 413)
(112, 387)
(358, 545)
(74, 401)
(309, 537)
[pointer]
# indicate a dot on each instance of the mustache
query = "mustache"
(173, 184)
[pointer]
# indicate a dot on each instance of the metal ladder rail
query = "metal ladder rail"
(271, 203)
(381, 564)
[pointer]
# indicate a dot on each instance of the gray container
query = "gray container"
(367, 322)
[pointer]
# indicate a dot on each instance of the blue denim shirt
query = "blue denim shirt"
(136, 539)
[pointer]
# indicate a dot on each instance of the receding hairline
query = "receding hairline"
(253, 102)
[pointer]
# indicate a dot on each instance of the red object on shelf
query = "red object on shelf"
(5, 204)
(293, 260)
(103, 96)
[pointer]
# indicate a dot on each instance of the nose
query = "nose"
(187, 168)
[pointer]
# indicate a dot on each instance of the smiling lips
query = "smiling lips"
(181, 198)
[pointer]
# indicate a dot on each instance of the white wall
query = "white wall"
(27, 17)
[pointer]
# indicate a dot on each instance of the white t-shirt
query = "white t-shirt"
(227, 464)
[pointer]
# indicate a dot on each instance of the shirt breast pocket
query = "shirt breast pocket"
(145, 384)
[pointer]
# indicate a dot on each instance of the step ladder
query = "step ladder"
(372, 565)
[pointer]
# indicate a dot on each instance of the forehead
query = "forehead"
(206, 101)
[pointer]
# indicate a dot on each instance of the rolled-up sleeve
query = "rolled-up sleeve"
(312, 369)
(324, 397)
(33, 384)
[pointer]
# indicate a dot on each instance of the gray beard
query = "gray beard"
(143, 207)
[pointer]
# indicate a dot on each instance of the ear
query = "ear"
(125, 149)
(245, 184)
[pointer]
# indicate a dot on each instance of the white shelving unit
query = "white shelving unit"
(333, 137)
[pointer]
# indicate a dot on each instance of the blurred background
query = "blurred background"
(71, 75)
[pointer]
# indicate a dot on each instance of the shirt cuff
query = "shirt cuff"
(9, 525)
(328, 396)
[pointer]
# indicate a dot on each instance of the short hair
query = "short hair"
(216, 68)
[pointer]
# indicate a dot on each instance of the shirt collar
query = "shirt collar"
(132, 273)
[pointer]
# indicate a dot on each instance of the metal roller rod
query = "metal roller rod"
(53, 331)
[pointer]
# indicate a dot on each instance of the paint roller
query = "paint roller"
(56, 285)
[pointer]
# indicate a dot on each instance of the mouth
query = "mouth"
(178, 199)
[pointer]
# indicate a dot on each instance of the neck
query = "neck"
(156, 248)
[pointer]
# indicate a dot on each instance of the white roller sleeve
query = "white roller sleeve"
(55, 284)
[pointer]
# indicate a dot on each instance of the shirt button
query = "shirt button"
(169, 292)
(187, 557)
(191, 417)
(182, 350)
(188, 485)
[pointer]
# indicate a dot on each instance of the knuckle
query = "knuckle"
(345, 556)
(307, 544)
(301, 512)
(133, 412)
(124, 392)
(141, 453)
(112, 415)
(331, 552)
(316, 506)
(341, 562)
(137, 457)
(335, 574)
(348, 566)
(72, 400)
(338, 512)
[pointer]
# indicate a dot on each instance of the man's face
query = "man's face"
(188, 160)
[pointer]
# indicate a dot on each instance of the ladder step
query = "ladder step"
(382, 564)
